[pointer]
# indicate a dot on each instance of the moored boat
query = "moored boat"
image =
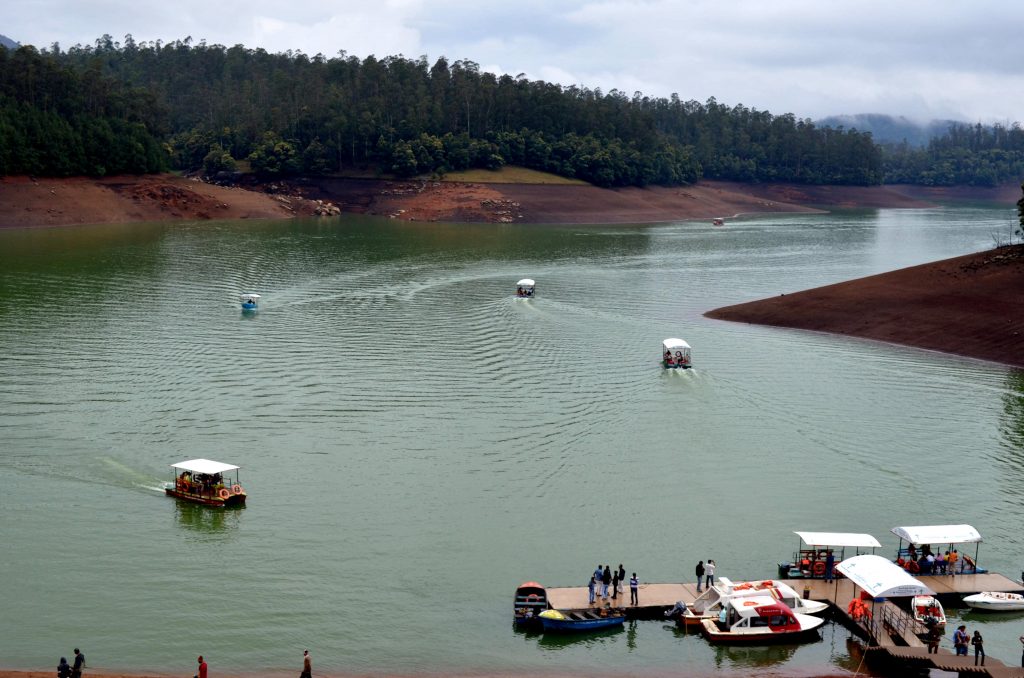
(530, 600)
(760, 620)
(925, 608)
(526, 289)
(574, 621)
(709, 604)
(203, 481)
(996, 601)
(250, 302)
(675, 354)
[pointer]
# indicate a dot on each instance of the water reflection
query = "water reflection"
(205, 520)
(752, 656)
(562, 641)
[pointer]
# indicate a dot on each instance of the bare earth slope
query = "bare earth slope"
(971, 305)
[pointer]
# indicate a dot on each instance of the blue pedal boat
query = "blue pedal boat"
(574, 621)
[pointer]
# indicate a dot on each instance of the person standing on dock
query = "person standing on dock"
(952, 560)
(606, 580)
(590, 587)
(709, 570)
(598, 575)
(615, 584)
(634, 593)
(622, 577)
(79, 665)
(979, 648)
(700, 575)
(830, 563)
(934, 635)
(960, 640)
(307, 665)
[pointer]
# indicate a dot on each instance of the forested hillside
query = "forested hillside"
(60, 120)
(973, 155)
(290, 113)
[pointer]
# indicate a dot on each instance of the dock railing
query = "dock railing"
(890, 620)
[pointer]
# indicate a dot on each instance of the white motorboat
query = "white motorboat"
(709, 604)
(996, 601)
(526, 289)
(675, 354)
(759, 620)
(925, 607)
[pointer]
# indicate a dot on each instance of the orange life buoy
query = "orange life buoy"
(223, 493)
(819, 567)
(236, 488)
(532, 598)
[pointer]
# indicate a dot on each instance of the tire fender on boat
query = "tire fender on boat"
(223, 493)
(236, 489)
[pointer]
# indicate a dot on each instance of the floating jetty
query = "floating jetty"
(890, 632)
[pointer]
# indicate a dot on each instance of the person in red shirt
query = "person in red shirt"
(202, 668)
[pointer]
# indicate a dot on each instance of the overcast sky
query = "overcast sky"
(935, 59)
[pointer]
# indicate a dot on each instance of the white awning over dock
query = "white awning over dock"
(882, 578)
(839, 539)
(938, 534)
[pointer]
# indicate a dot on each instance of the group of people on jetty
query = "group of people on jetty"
(605, 579)
(926, 562)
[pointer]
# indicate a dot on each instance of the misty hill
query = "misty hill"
(888, 129)
(7, 42)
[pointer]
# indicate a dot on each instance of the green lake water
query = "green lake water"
(416, 442)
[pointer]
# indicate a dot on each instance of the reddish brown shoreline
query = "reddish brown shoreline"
(27, 202)
(970, 306)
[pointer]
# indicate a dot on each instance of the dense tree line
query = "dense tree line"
(61, 120)
(291, 113)
(975, 155)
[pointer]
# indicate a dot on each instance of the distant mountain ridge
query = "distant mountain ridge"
(888, 129)
(8, 43)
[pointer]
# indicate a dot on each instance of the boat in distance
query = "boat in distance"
(675, 354)
(250, 302)
(575, 621)
(760, 620)
(995, 601)
(203, 481)
(526, 288)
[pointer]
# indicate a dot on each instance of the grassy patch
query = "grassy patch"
(511, 175)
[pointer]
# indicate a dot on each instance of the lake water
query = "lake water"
(416, 442)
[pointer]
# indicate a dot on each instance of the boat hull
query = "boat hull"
(980, 601)
(206, 500)
(718, 637)
(580, 625)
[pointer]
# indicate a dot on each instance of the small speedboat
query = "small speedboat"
(928, 607)
(996, 601)
(675, 354)
(530, 600)
(709, 604)
(760, 620)
(580, 620)
(250, 302)
(526, 289)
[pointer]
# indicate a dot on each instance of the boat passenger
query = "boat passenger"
(519, 292)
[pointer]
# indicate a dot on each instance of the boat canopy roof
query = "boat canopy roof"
(747, 606)
(526, 282)
(673, 343)
(839, 539)
(204, 466)
(249, 297)
(530, 585)
(880, 577)
(938, 534)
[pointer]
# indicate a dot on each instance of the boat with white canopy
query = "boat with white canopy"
(921, 538)
(675, 354)
(811, 560)
(206, 482)
(759, 620)
(250, 302)
(526, 288)
(710, 603)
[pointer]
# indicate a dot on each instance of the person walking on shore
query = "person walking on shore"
(201, 673)
(79, 665)
(634, 593)
(979, 648)
(606, 580)
(63, 668)
(709, 569)
(307, 665)
(700, 575)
